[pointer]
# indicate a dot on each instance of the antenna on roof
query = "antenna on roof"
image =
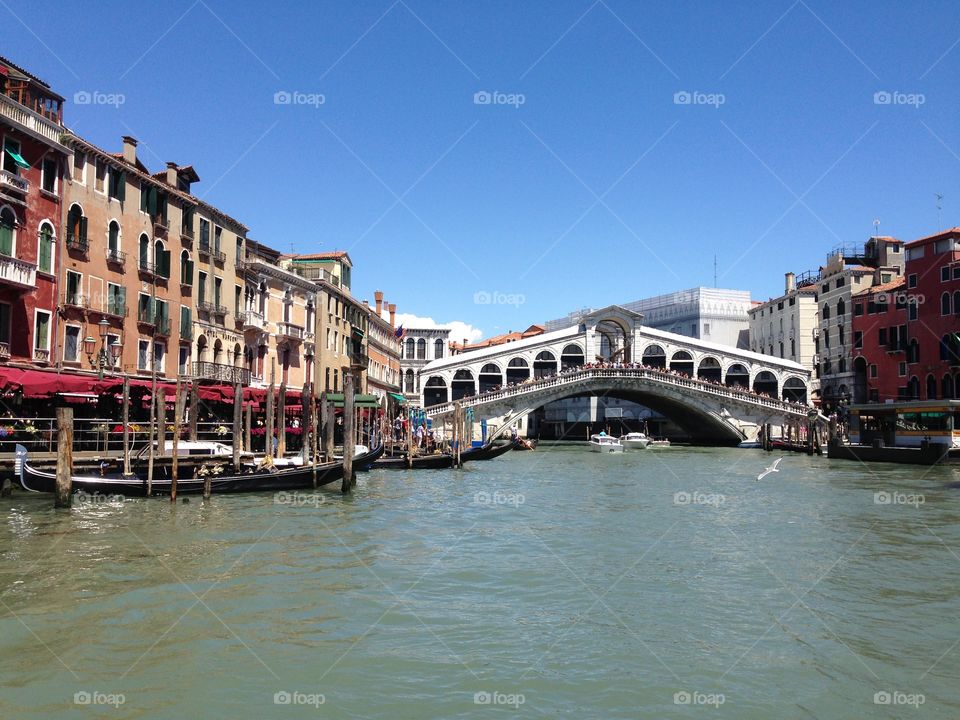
(939, 198)
(876, 228)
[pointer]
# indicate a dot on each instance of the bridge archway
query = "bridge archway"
(654, 356)
(738, 376)
(545, 364)
(490, 377)
(682, 361)
(795, 389)
(462, 385)
(710, 369)
(572, 357)
(434, 390)
(518, 370)
(614, 340)
(765, 383)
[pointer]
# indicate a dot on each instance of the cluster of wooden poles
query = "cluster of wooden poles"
(354, 429)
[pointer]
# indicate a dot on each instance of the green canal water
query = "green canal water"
(558, 583)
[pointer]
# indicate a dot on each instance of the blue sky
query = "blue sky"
(602, 186)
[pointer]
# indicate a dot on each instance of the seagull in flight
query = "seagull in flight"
(772, 469)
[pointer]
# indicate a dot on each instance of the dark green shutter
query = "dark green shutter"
(122, 186)
(83, 230)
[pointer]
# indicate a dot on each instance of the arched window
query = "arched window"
(931, 387)
(8, 231)
(76, 227)
(45, 251)
(945, 304)
(408, 381)
(841, 307)
(421, 349)
(826, 311)
(956, 302)
(438, 348)
(411, 344)
(113, 238)
(186, 269)
(144, 248)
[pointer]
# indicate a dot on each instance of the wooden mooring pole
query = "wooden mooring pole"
(348, 432)
(329, 424)
(64, 493)
(175, 467)
(151, 450)
(194, 409)
(282, 419)
(126, 425)
(237, 425)
(268, 439)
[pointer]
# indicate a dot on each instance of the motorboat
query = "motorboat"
(662, 443)
(634, 441)
(604, 443)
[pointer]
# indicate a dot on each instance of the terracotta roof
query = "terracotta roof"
(335, 255)
(935, 236)
(26, 73)
(883, 287)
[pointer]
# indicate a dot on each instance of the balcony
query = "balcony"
(221, 373)
(186, 234)
(161, 326)
(18, 273)
(204, 248)
(219, 257)
(77, 242)
(33, 122)
(254, 321)
(359, 361)
(74, 300)
(160, 225)
(240, 317)
(11, 181)
(290, 331)
(41, 355)
(4, 351)
(117, 257)
(116, 309)
(147, 267)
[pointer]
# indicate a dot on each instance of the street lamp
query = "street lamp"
(108, 355)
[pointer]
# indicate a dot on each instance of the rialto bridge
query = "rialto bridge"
(715, 392)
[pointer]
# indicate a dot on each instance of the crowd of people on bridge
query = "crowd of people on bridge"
(617, 365)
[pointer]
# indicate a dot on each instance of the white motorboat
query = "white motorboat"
(604, 443)
(634, 441)
(663, 443)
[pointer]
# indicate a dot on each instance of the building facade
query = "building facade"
(31, 237)
(880, 343)
(383, 349)
(420, 346)
(848, 271)
(787, 326)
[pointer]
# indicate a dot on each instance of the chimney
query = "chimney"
(172, 174)
(392, 307)
(790, 282)
(130, 149)
(378, 297)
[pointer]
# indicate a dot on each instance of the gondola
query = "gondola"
(420, 462)
(262, 480)
(488, 451)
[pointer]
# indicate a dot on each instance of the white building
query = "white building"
(788, 326)
(713, 314)
(420, 346)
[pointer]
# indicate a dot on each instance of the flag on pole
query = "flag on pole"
(400, 332)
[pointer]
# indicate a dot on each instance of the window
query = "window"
(71, 343)
(825, 288)
(841, 282)
(945, 273)
(857, 339)
(858, 309)
(100, 180)
(840, 334)
(902, 369)
(45, 251)
(182, 366)
(793, 348)
(48, 180)
(161, 316)
(11, 152)
(186, 269)
(204, 233)
(912, 311)
(5, 323)
(217, 233)
(79, 167)
(201, 287)
(159, 355)
(186, 322)
(116, 299)
(144, 252)
(239, 250)
(945, 304)
(74, 285)
(41, 335)
(421, 349)
(144, 308)
(826, 311)
(826, 338)
(706, 326)
(143, 355)
(841, 307)
(217, 288)
(882, 336)
(956, 272)
(873, 371)
(842, 365)
(76, 227)
(113, 239)
(912, 280)
(438, 348)
(161, 258)
(8, 232)
(118, 184)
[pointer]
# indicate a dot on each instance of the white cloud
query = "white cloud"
(458, 330)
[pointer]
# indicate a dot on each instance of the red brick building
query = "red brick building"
(933, 321)
(880, 342)
(31, 184)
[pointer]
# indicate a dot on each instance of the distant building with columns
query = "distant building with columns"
(419, 347)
